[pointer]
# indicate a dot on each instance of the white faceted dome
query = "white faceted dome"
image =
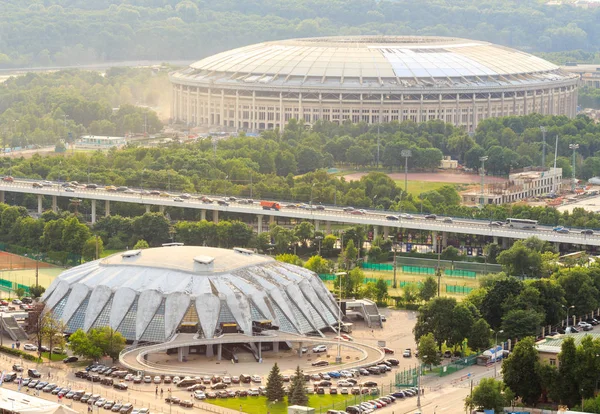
(148, 294)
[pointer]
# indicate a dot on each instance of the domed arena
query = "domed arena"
(370, 79)
(150, 295)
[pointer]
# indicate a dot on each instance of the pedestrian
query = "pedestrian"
(161, 393)
(157, 391)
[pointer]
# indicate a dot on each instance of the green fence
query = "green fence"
(457, 289)
(378, 266)
(407, 377)
(458, 365)
(460, 273)
(9, 286)
(418, 270)
(327, 277)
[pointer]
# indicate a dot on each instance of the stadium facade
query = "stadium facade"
(368, 79)
(149, 295)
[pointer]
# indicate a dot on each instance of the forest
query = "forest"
(77, 32)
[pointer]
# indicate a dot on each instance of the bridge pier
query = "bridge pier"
(317, 224)
(219, 351)
(444, 240)
(93, 211)
(505, 242)
(1, 196)
(210, 352)
(40, 205)
(202, 214)
(161, 209)
(386, 232)
(328, 227)
(271, 220)
(216, 216)
(260, 219)
(495, 239)
(147, 208)
(55, 204)
(434, 241)
(106, 208)
(275, 346)
(375, 232)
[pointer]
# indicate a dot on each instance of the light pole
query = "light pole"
(496, 351)
(439, 270)
(319, 238)
(574, 148)
(395, 249)
(406, 154)
(483, 160)
(338, 358)
(570, 307)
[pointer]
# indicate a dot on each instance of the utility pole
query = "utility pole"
(406, 154)
(439, 270)
(543, 129)
(574, 148)
(395, 250)
(483, 160)
(378, 140)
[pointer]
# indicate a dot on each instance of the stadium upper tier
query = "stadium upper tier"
(253, 87)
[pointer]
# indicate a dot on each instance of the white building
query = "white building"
(521, 185)
(99, 141)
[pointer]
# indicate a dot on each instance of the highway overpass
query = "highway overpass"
(321, 218)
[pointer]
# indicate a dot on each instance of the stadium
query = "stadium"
(368, 79)
(151, 295)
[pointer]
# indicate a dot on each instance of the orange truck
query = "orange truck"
(270, 205)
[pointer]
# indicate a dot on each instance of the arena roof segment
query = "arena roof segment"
(370, 79)
(147, 295)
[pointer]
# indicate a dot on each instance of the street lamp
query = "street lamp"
(496, 350)
(570, 307)
(483, 160)
(338, 358)
(406, 154)
(319, 238)
(574, 148)
(395, 250)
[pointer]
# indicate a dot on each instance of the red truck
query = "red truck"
(270, 205)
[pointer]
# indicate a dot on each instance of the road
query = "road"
(331, 214)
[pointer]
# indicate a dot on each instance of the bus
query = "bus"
(521, 223)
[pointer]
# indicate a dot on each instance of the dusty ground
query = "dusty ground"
(442, 177)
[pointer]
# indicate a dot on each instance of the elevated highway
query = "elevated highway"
(330, 214)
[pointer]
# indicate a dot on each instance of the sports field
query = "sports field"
(20, 271)
(10, 261)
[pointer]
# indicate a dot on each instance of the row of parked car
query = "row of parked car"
(370, 406)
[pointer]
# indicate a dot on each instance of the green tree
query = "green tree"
(410, 293)
(519, 323)
(152, 227)
(109, 341)
(428, 351)
(74, 235)
(490, 394)
(568, 373)
(461, 323)
(36, 291)
(297, 394)
(91, 247)
(275, 390)
(318, 265)
(381, 291)
(141, 244)
(289, 258)
(80, 344)
(349, 255)
(433, 318)
(450, 253)
(304, 232)
(428, 289)
(479, 338)
(521, 371)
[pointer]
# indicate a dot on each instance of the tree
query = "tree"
(428, 289)
(275, 390)
(51, 332)
(381, 291)
(501, 289)
(36, 291)
(479, 338)
(461, 323)
(433, 317)
(152, 227)
(519, 323)
(289, 258)
(141, 244)
(318, 265)
(490, 394)
(410, 293)
(92, 248)
(349, 255)
(521, 371)
(568, 379)
(297, 394)
(80, 344)
(74, 235)
(450, 253)
(304, 232)
(428, 352)
(109, 341)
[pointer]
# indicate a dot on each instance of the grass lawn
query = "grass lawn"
(260, 405)
(55, 357)
(417, 187)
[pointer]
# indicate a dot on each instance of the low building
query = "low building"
(549, 348)
(99, 141)
(16, 402)
(448, 164)
(528, 183)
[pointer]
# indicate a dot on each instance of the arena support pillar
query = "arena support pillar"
(55, 204)
(93, 211)
(216, 216)
(259, 346)
(202, 214)
(210, 352)
(219, 351)
(300, 350)
(276, 346)
(1, 196)
(147, 208)
(106, 208)
(260, 222)
(40, 205)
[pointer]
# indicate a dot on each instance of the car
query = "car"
(137, 379)
(121, 386)
(122, 188)
(333, 391)
(587, 231)
(320, 207)
(185, 196)
(222, 203)
(25, 382)
(387, 350)
(496, 223)
(167, 379)
(116, 408)
(226, 380)
(33, 373)
(84, 398)
(100, 402)
(560, 229)
(406, 216)
(37, 185)
(157, 379)
(196, 387)
(392, 218)
(358, 212)
(17, 368)
(319, 348)
(447, 220)
(320, 363)
(344, 383)
(393, 362)
(218, 386)
(126, 409)
(585, 326)
(40, 385)
(33, 383)
(407, 353)
(186, 404)
(430, 217)
(256, 379)
(147, 379)
(49, 387)
(324, 383)
(199, 395)
(593, 321)
(69, 190)
(253, 392)
(332, 374)
(108, 405)
(8, 179)
(91, 186)
(348, 209)
(235, 379)
(178, 199)
(70, 359)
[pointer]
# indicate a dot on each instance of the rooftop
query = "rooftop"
(552, 345)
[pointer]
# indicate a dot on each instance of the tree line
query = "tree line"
(78, 32)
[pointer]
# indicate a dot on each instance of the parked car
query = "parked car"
(407, 353)
(70, 359)
(319, 349)
(17, 368)
(30, 347)
(320, 363)
(585, 326)
(33, 373)
(387, 350)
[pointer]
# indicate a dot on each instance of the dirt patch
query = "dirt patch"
(442, 177)
(10, 261)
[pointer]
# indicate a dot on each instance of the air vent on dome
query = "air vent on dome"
(131, 253)
(240, 250)
(204, 263)
(172, 244)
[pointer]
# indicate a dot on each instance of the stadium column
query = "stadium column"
(219, 351)
(216, 216)
(502, 109)
(253, 112)
(489, 108)
(259, 221)
(210, 352)
(222, 116)
(300, 350)
(259, 346)
(208, 100)
(93, 211)
(237, 110)
(198, 113)
(54, 204)
(525, 103)
(281, 114)
(40, 206)
(276, 346)
(474, 111)
(106, 208)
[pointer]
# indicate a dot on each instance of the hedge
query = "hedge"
(19, 353)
